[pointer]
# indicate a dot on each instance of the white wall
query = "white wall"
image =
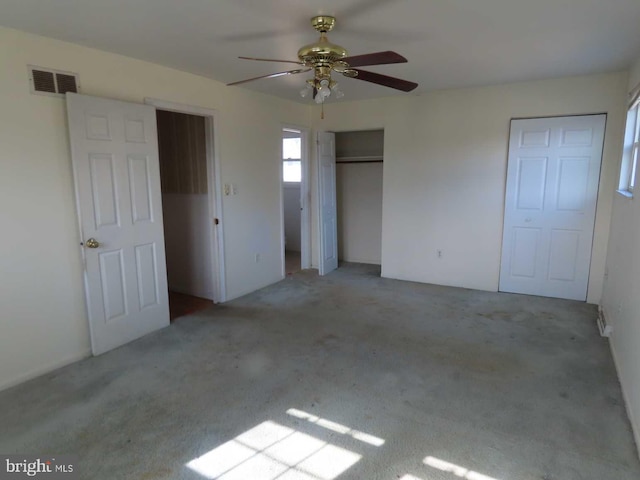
(621, 302)
(291, 199)
(445, 167)
(359, 206)
(43, 319)
(187, 238)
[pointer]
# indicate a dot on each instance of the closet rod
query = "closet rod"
(359, 161)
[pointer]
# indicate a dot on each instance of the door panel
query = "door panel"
(147, 275)
(139, 183)
(572, 137)
(112, 279)
(531, 182)
(552, 187)
(327, 201)
(572, 183)
(103, 190)
(525, 252)
(563, 255)
(117, 179)
(534, 138)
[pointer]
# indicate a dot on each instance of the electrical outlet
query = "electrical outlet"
(257, 258)
(227, 189)
(234, 189)
(439, 253)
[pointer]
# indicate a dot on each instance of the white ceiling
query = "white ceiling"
(449, 43)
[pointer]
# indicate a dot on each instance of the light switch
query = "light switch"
(234, 189)
(227, 189)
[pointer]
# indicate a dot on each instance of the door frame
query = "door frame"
(214, 188)
(305, 198)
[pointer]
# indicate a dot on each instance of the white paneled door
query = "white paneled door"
(114, 150)
(552, 188)
(327, 200)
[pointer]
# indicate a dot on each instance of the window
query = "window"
(292, 159)
(630, 153)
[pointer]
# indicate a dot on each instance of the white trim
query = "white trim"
(50, 367)
(628, 164)
(625, 193)
(634, 97)
(214, 187)
(305, 197)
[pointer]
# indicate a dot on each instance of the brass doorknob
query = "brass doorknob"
(92, 243)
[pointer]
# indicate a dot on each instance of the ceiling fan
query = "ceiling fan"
(324, 57)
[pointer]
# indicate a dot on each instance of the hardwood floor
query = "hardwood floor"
(181, 304)
(291, 262)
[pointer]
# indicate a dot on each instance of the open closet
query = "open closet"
(359, 162)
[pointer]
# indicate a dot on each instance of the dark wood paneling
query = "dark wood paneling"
(183, 155)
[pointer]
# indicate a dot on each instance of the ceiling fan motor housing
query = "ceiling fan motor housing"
(322, 55)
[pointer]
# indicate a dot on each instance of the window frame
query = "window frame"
(291, 182)
(631, 153)
(292, 159)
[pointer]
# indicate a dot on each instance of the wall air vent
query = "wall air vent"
(603, 326)
(45, 81)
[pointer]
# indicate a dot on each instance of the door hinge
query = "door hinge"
(216, 221)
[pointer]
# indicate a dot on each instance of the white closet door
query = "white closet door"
(328, 209)
(552, 188)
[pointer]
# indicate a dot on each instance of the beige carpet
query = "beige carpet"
(348, 376)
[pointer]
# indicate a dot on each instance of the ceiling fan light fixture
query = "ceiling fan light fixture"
(336, 91)
(306, 91)
(324, 91)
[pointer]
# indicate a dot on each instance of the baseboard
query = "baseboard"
(635, 427)
(44, 370)
(364, 261)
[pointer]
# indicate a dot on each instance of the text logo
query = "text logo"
(53, 467)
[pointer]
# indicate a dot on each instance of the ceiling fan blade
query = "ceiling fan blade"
(385, 80)
(271, 60)
(378, 58)
(271, 75)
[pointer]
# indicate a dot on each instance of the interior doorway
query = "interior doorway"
(183, 178)
(295, 200)
(189, 206)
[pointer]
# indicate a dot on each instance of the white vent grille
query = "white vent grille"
(45, 81)
(605, 329)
